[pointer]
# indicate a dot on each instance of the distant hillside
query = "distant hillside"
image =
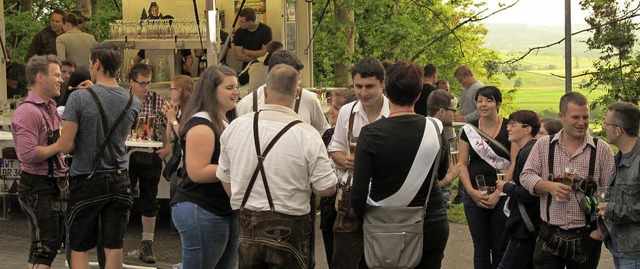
(521, 37)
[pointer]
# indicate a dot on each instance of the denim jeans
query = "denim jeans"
(274, 240)
(624, 263)
(518, 254)
(208, 240)
(486, 227)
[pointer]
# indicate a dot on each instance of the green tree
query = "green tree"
(614, 36)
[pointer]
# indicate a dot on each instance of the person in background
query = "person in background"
(200, 209)
(67, 68)
(259, 68)
(620, 211)
(16, 78)
(523, 127)
(549, 127)
(181, 89)
(486, 151)
(44, 42)
(563, 219)
(327, 204)
(250, 40)
(430, 76)
(74, 45)
(442, 84)
(77, 77)
(442, 106)
(145, 168)
(100, 190)
(43, 191)
(394, 151)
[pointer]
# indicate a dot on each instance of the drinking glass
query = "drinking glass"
(151, 123)
(353, 142)
(482, 184)
(140, 127)
(602, 194)
(501, 176)
(454, 157)
(569, 175)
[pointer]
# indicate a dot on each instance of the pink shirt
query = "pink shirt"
(566, 214)
(30, 131)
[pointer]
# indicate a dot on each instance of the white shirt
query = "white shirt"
(296, 162)
(340, 140)
(310, 110)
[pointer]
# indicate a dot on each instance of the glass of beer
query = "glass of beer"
(140, 127)
(353, 142)
(501, 176)
(151, 123)
(454, 157)
(569, 175)
(482, 184)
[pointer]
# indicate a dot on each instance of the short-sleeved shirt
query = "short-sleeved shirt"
(298, 161)
(340, 141)
(310, 110)
(82, 109)
(253, 40)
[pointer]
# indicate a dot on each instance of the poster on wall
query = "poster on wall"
(258, 5)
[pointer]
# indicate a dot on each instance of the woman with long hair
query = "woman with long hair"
(399, 151)
(181, 89)
(200, 209)
(523, 127)
(74, 45)
(485, 152)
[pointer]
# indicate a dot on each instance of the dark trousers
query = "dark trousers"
(348, 251)
(485, 226)
(558, 248)
(436, 235)
(145, 168)
(274, 240)
(518, 254)
(327, 218)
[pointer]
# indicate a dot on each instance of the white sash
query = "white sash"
(484, 150)
(419, 171)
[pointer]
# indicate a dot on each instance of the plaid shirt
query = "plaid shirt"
(148, 108)
(566, 214)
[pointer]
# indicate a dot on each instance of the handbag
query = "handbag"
(393, 236)
(173, 166)
(346, 220)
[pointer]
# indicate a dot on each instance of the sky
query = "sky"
(535, 12)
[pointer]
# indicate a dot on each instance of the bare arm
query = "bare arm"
(324, 193)
(200, 144)
(66, 142)
(246, 55)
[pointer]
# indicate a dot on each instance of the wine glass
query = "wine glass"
(482, 184)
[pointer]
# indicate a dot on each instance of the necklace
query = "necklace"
(496, 131)
(402, 111)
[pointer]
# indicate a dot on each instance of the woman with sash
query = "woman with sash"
(523, 208)
(485, 150)
(397, 155)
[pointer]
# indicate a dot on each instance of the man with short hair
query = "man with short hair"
(442, 106)
(563, 169)
(43, 183)
(249, 42)
(306, 105)
(44, 42)
(273, 218)
(428, 79)
(67, 68)
(620, 213)
(96, 124)
(470, 86)
(368, 82)
(145, 167)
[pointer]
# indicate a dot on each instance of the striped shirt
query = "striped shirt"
(566, 214)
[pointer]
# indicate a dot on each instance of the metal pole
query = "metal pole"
(567, 45)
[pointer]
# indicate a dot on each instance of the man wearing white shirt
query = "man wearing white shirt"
(368, 82)
(306, 105)
(269, 182)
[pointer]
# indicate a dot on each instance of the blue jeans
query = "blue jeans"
(485, 226)
(208, 240)
(518, 254)
(624, 263)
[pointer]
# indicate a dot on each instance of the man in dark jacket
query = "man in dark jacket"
(44, 42)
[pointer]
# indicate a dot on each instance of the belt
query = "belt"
(555, 228)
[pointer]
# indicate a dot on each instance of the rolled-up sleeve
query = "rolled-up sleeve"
(533, 168)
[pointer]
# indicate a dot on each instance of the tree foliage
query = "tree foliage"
(618, 67)
(397, 30)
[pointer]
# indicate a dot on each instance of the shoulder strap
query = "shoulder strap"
(436, 165)
(351, 118)
(491, 140)
(552, 149)
(261, 157)
(50, 135)
(254, 96)
(296, 107)
(108, 131)
(592, 159)
(526, 219)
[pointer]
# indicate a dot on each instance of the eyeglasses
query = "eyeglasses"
(451, 109)
(614, 125)
(142, 84)
(514, 124)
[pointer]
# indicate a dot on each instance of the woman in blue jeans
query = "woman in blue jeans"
(200, 209)
(523, 127)
(484, 150)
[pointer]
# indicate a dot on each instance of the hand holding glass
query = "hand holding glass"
(482, 185)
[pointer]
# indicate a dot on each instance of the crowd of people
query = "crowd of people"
(536, 193)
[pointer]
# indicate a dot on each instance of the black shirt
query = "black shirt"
(421, 104)
(253, 40)
(210, 196)
(477, 166)
(384, 155)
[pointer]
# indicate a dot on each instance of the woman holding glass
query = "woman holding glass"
(200, 209)
(181, 89)
(387, 150)
(523, 127)
(484, 151)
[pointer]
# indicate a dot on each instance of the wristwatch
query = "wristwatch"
(174, 123)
